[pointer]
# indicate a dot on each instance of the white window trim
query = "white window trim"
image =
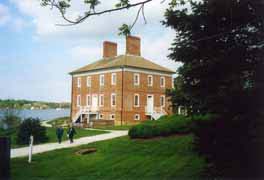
(151, 80)
(112, 100)
(89, 81)
(112, 79)
(138, 100)
(78, 100)
(111, 118)
(100, 79)
(101, 97)
(138, 82)
(172, 82)
(162, 96)
(137, 115)
(79, 82)
(88, 97)
(164, 81)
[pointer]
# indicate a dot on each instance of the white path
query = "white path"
(20, 152)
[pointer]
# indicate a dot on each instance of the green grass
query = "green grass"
(120, 158)
(124, 127)
(59, 121)
(51, 133)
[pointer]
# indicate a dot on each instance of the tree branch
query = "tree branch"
(80, 20)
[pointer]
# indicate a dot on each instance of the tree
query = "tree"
(63, 5)
(28, 127)
(220, 44)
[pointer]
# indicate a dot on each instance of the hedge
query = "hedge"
(166, 125)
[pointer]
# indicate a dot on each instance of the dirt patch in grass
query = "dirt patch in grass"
(86, 151)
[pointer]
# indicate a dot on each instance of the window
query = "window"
(136, 100)
(162, 100)
(78, 100)
(113, 99)
(78, 82)
(172, 82)
(101, 100)
(137, 117)
(101, 116)
(162, 82)
(112, 116)
(101, 80)
(113, 79)
(88, 81)
(88, 100)
(136, 79)
(150, 80)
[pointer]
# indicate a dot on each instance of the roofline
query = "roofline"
(124, 66)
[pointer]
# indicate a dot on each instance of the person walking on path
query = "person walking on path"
(71, 133)
(59, 133)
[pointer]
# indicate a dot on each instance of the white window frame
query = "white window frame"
(137, 117)
(79, 84)
(88, 99)
(138, 100)
(162, 79)
(162, 103)
(113, 94)
(172, 82)
(111, 117)
(138, 82)
(89, 81)
(113, 79)
(150, 84)
(102, 79)
(78, 100)
(101, 100)
(101, 116)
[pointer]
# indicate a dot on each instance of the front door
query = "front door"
(150, 103)
(94, 102)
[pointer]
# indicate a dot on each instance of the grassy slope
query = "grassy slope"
(51, 133)
(59, 121)
(120, 158)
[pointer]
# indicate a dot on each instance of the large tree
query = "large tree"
(221, 46)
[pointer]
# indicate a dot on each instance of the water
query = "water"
(43, 114)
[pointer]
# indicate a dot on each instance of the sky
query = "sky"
(36, 55)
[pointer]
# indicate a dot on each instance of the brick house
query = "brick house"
(122, 89)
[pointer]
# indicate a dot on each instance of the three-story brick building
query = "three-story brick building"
(126, 88)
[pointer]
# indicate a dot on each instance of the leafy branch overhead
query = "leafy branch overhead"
(63, 5)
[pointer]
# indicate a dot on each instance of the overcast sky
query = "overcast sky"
(36, 55)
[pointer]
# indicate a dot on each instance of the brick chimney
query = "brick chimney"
(133, 45)
(109, 49)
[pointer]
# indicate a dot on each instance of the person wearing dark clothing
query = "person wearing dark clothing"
(71, 133)
(59, 133)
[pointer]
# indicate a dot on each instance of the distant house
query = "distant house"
(123, 89)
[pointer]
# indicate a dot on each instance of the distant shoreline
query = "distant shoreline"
(32, 105)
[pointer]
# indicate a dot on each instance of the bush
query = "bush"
(165, 126)
(31, 126)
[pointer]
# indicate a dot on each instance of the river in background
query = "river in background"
(42, 114)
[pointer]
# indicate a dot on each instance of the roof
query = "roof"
(123, 61)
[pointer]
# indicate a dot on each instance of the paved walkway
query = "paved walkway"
(20, 152)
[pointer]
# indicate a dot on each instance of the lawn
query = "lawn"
(59, 121)
(124, 127)
(121, 158)
(51, 133)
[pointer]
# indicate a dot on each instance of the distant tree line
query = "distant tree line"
(27, 104)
